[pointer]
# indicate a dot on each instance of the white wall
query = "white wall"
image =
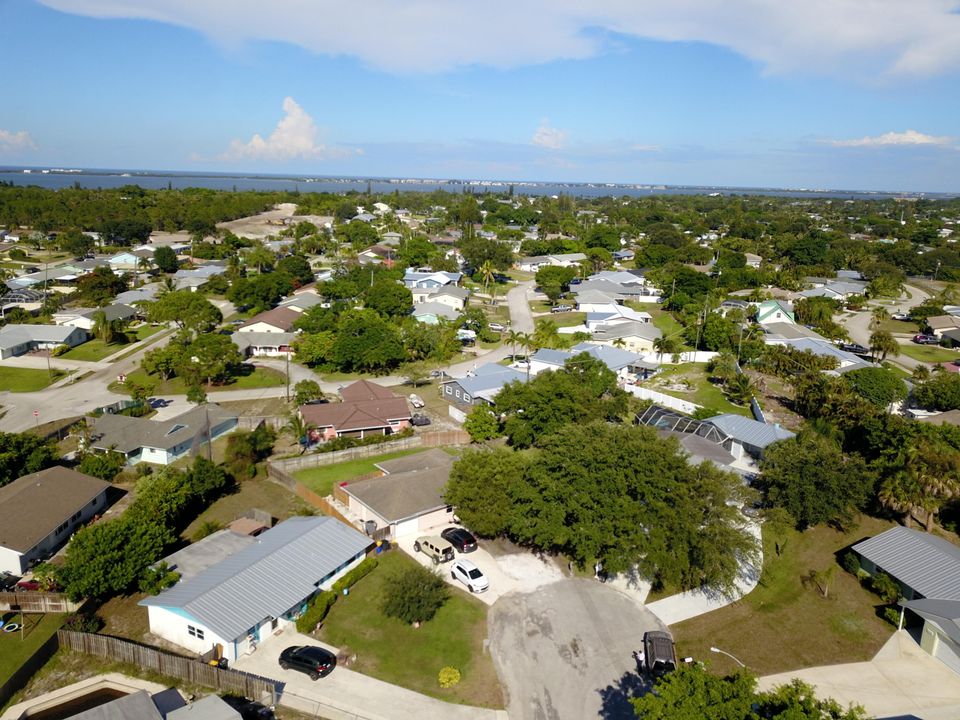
(173, 627)
(10, 561)
(662, 399)
(261, 327)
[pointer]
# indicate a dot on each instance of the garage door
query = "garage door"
(947, 651)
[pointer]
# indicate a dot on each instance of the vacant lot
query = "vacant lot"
(258, 493)
(95, 350)
(689, 382)
(398, 653)
(322, 479)
(786, 623)
(259, 377)
(928, 353)
(27, 379)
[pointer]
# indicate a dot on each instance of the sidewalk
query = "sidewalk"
(692, 603)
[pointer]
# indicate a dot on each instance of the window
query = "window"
(195, 632)
(449, 390)
(458, 392)
(466, 397)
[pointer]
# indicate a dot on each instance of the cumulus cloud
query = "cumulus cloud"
(549, 137)
(11, 142)
(866, 37)
(908, 137)
(294, 138)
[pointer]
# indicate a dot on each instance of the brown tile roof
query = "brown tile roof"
(34, 506)
(365, 390)
(283, 318)
(363, 415)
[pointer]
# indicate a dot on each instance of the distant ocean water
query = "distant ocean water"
(57, 178)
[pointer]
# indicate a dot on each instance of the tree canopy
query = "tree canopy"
(24, 453)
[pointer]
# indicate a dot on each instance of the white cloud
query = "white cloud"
(11, 142)
(294, 138)
(863, 37)
(549, 137)
(909, 137)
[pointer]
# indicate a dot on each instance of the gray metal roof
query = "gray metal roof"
(136, 706)
(197, 557)
(15, 335)
(945, 613)
(282, 568)
(490, 377)
(749, 432)
(211, 707)
(927, 563)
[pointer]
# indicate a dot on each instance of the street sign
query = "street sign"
(121, 378)
(36, 413)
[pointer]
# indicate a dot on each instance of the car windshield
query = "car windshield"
(474, 574)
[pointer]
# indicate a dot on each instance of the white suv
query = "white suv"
(470, 575)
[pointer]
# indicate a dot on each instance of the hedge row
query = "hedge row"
(324, 601)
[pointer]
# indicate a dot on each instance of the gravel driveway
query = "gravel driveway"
(563, 652)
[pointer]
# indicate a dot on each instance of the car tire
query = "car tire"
(436, 560)
(453, 575)
(314, 676)
(416, 547)
(284, 666)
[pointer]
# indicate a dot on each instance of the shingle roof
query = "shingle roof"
(365, 406)
(414, 487)
(613, 358)
(487, 380)
(135, 706)
(266, 579)
(647, 331)
(280, 317)
(927, 563)
(129, 434)
(244, 340)
(366, 390)
(436, 309)
(13, 335)
(33, 506)
(749, 432)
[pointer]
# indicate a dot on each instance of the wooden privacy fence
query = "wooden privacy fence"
(38, 602)
(174, 666)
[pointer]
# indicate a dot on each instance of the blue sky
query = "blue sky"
(824, 93)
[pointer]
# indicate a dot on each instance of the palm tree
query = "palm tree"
(103, 329)
(664, 345)
(513, 337)
(740, 389)
(546, 334)
(168, 285)
(144, 265)
(877, 316)
(487, 273)
(298, 429)
(882, 343)
(619, 343)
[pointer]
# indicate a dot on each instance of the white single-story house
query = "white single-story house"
(408, 498)
(39, 512)
(637, 337)
(264, 344)
(85, 318)
(432, 313)
(532, 264)
(161, 442)
(430, 280)
(278, 320)
(20, 339)
(450, 295)
(774, 311)
(619, 361)
(927, 568)
(748, 436)
(239, 602)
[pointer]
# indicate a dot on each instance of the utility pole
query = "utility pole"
(288, 373)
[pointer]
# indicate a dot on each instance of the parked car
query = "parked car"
(28, 585)
(855, 348)
(561, 308)
(470, 575)
(419, 420)
(497, 327)
(309, 659)
(7, 581)
(416, 401)
(463, 540)
(437, 549)
(902, 317)
(926, 340)
(659, 652)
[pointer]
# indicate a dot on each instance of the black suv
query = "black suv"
(310, 659)
(462, 540)
(659, 652)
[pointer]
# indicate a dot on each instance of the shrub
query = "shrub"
(342, 443)
(207, 527)
(158, 578)
(355, 575)
(82, 622)
(851, 563)
(892, 615)
(416, 593)
(316, 612)
(886, 587)
(60, 350)
(449, 676)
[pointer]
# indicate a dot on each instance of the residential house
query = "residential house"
(453, 297)
(278, 320)
(86, 318)
(610, 315)
(161, 442)
(748, 435)
(623, 255)
(532, 264)
(621, 362)
(376, 255)
(239, 602)
(195, 278)
(938, 324)
(408, 498)
(363, 217)
(301, 302)
(753, 260)
(367, 409)
(264, 344)
(145, 293)
(426, 278)
(636, 337)
(21, 339)
(391, 239)
(482, 385)
(129, 260)
(774, 311)
(432, 313)
(40, 511)
(730, 305)
(26, 299)
(927, 568)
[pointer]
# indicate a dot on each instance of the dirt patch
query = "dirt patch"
(271, 222)
(776, 398)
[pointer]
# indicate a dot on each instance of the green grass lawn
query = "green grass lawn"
(26, 379)
(899, 326)
(785, 623)
(928, 353)
(667, 324)
(322, 479)
(14, 651)
(258, 378)
(94, 350)
(567, 319)
(702, 392)
(398, 653)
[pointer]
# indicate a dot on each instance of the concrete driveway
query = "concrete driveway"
(507, 573)
(564, 651)
(348, 694)
(901, 681)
